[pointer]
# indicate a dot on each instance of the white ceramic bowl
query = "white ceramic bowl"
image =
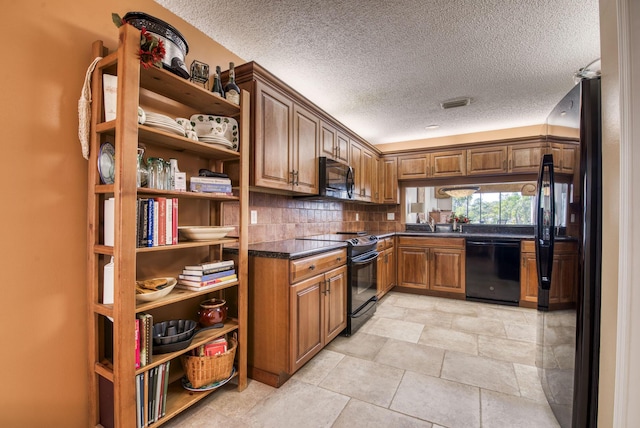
(155, 295)
(204, 233)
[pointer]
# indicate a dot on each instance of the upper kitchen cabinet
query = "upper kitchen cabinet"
(389, 180)
(415, 166)
(286, 134)
(333, 143)
(525, 158)
(451, 163)
(487, 160)
(564, 157)
(362, 164)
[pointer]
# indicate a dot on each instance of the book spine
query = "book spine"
(150, 223)
(211, 265)
(205, 287)
(169, 223)
(175, 221)
(137, 345)
(159, 392)
(211, 180)
(149, 328)
(143, 339)
(139, 401)
(162, 220)
(166, 387)
(156, 223)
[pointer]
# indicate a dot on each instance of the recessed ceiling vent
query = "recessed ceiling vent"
(458, 102)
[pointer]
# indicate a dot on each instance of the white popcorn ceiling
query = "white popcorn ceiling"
(382, 68)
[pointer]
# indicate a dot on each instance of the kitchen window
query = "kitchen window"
(493, 203)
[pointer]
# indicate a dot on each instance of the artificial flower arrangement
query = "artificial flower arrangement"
(459, 218)
(152, 49)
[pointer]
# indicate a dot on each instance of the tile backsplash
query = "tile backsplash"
(284, 217)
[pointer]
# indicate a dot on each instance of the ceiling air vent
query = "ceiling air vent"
(458, 102)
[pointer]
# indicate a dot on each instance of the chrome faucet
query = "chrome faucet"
(432, 224)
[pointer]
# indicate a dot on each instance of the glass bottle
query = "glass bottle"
(217, 84)
(231, 90)
(142, 171)
(156, 172)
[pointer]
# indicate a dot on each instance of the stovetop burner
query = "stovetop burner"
(357, 243)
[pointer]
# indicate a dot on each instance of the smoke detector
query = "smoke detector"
(457, 102)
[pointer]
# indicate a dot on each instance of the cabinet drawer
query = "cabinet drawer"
(558, 247)
(385, 243)
(306, 267)
(431, 242)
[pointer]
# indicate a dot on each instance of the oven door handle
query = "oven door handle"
(356, 262)
(366, 308)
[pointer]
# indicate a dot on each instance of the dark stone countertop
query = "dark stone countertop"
(288, 249)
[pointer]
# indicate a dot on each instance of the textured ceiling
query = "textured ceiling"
(382, 68)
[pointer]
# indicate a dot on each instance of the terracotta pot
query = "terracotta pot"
(212, 312)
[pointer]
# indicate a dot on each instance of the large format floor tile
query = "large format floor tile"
(440, 401)
(419, 362)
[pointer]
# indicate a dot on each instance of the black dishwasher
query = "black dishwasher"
(493, 270)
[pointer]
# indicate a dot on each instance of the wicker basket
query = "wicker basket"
(203, 371)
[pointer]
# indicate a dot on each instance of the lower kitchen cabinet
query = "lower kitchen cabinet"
(564, 275)
(434, 266)
(386, 267)
(296, 307)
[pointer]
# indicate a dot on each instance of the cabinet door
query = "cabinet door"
(381, 275)
(306, 129)
(306, 299)
(366, 164)
(529, 278)
(563, 278)
(273, 139)
(328, 141)
(449, 164)
(447, 270)
(355, 154)
(526, 157)
(413, 264)
(376, 196)
(413, 166)
(390, 265)
(487, 160)
(335, 303)
(389, 180)
(343, 148)
(564, 157)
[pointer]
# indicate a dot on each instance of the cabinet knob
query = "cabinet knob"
(312, 267)
(339, 259)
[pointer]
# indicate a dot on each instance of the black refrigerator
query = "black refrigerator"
(568, 340)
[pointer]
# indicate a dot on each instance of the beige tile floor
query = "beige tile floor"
(420, 362)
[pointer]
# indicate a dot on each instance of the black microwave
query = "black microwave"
(335, 179)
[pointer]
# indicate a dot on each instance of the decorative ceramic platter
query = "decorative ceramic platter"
(204, 233)
(106, 163)
(231, 134)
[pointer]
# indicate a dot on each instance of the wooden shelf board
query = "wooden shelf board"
(164, 83)
(192, 195)
(200, 339)
(186, 244)
(105, 370)
(105, 310)
(178, 295)
(179, 399)
(103, 249)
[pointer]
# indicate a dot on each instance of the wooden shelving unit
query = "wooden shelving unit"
(111, 343)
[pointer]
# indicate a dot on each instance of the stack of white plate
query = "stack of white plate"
(164, 123)
(216, 140)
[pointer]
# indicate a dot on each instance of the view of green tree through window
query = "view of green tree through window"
(496, 208)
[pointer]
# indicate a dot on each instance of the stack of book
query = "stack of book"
(155, 397)
(214, 185)
(207, 275)
(157, 221)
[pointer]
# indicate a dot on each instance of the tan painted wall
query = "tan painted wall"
(43, 362)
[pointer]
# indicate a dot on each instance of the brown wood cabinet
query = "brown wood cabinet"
(564, 275)
(362, 164)
(376, 194)
(333, 144)
(451, 163)
(386, 267)
(306, 129)
(565, 157)
(525, 158)
(389, 180)
(433, 266)
(298, 306)
(487, 160)
(415, 166)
